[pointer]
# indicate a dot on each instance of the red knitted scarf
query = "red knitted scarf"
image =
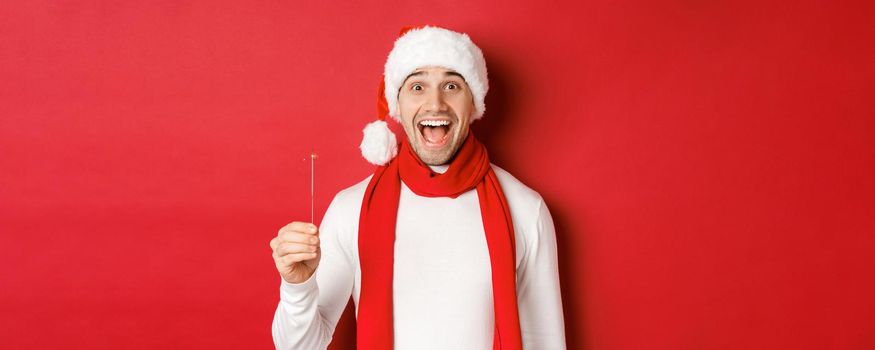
(468, 170)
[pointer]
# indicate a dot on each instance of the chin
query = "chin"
(437, 157)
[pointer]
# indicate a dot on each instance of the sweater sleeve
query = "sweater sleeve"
(308, 312)
(538, 296)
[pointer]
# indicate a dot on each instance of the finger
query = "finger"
(290, 259)
(294, 248)
(297, 237)
(274, 243)
(297, 226)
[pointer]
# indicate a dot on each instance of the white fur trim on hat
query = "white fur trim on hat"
(379, 144)
(434, 46)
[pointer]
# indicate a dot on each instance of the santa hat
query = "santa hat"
(415, 48)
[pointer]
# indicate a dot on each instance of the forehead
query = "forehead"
(434, 71)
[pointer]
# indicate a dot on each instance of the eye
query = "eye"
(416, 87)
(452, 86)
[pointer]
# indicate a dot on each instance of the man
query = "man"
(439, 248)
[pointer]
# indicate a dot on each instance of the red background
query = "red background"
(709, 164)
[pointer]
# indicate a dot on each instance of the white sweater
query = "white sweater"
(442, 285)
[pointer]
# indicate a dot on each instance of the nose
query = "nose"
(435, 101)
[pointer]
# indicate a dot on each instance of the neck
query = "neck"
(439, 168)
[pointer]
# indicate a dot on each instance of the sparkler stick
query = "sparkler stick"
(313, 186)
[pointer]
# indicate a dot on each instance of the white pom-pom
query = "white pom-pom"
(379, 145)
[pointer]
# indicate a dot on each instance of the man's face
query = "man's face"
(436, 107)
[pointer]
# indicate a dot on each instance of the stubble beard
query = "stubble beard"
(439, 157)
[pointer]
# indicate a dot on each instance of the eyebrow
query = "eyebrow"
(446, 74)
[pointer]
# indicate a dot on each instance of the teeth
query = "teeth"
(434, 122)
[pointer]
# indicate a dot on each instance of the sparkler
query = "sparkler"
(313, 157)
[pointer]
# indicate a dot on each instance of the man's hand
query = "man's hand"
(296, 251)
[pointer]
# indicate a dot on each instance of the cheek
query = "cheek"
(461, 102)
(407, 112)
(408, 106)
(464, 106)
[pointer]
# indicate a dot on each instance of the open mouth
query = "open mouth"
(435, 132)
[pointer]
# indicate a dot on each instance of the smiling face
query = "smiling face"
(436, 106)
